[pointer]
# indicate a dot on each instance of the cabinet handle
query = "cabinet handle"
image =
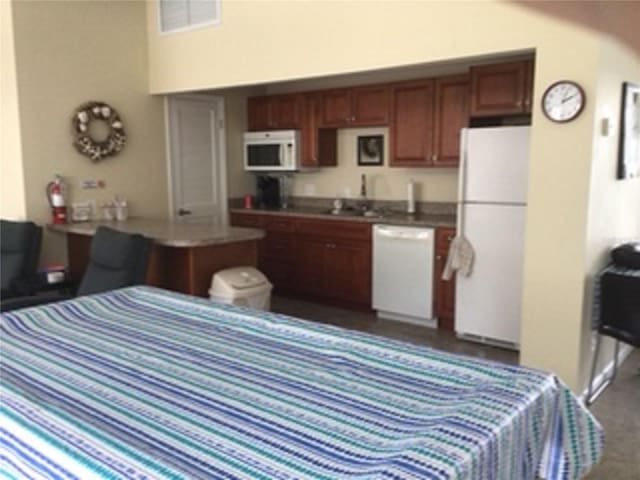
(353, 119)
(438, 257)
(519, 103)
(434, 157)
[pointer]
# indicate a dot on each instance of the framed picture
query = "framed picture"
(370, 150)
(629, 150)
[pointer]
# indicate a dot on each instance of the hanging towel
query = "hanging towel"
(460, 258)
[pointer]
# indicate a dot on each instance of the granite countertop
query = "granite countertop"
(168, 232)
(387, 217)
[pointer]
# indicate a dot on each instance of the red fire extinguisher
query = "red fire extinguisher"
(55, 195)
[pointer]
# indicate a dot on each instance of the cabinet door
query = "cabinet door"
(411, 125)
(498, 89)
(452, 114)
(336, 110)
(370, 106)
(444, 291)
(528, 86)
(318, 146)
(310, 275)
(286, 111)
(348, 271)
(259, 113)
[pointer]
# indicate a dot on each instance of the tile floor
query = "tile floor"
(617, 409)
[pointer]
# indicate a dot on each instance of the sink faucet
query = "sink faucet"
(363, 187)
(363, 202)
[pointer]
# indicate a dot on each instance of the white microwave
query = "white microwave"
(270, 151)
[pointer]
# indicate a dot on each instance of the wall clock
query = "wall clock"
(563, 101)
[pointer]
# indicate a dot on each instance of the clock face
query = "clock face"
(563, 101)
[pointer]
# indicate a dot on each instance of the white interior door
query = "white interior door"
(197, 158)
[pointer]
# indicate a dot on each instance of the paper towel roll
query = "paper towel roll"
(411, 197)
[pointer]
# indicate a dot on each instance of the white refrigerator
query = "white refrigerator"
(492, 209)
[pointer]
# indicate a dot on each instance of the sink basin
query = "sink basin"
(352, 212)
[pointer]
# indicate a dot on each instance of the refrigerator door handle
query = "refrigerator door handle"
(462, 179)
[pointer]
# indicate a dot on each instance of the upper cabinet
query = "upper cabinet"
(318, 146)
(355, 107)
(273, 112)
(411, 124)
(501, 89)
(451, 115)
(426, 118)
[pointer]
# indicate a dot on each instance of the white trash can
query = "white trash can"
(243, 286)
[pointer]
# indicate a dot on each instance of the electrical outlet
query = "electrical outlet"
(347, 192)
(309, 189)
(88, 183)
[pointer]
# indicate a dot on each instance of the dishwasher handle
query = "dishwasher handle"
(404, 233)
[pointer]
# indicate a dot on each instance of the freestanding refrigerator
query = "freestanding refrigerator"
(491, 215)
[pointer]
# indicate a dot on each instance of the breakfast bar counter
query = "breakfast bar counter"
(184, 255)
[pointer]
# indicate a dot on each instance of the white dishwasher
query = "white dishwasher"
(403, 273)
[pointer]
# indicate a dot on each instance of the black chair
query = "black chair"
(116, 260)
(19, 253)
(619, 318)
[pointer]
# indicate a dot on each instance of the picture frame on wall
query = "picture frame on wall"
(370, 150)
(629, 149)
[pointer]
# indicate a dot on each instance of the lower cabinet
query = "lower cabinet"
(323, 259)
(444, 290)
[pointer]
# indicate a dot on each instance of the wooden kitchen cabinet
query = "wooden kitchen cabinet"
(501, 89)
(355, 107)
(411, 124)
(426, 118)
(275, 112)
(451, 115)
(334, 261)
(318, 146)
(444, 290)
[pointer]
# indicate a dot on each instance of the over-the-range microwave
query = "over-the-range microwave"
(271, 151)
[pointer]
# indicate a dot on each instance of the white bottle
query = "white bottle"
(411, 197)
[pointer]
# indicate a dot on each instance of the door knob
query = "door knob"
(184, 211)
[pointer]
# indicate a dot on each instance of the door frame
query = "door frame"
(217, 104)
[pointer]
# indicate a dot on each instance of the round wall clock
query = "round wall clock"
(563, 101)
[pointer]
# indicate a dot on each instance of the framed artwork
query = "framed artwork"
(370, 150)
(629, 149)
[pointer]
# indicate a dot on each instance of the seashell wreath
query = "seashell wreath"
(85, 144)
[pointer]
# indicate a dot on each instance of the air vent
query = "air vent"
(176, 15)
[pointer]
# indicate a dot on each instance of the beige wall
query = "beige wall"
(291, 40)
(614, 205)
(12, 198)
(69, 53)
(383, 183)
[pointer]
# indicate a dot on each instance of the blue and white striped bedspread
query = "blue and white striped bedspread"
(141, 383)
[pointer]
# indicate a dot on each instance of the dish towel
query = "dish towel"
(460, 258)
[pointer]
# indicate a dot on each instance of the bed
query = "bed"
(142, 383)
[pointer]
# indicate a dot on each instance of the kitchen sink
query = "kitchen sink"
(352, 212)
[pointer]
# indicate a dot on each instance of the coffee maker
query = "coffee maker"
(268, 189)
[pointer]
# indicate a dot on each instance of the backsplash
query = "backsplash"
(304, 202)
(383, 183)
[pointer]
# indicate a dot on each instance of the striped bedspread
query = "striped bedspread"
(142, 384)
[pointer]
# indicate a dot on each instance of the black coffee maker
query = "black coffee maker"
(268, 191)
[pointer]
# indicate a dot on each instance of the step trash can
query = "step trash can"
(244, 286)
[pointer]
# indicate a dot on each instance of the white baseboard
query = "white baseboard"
(623, 353)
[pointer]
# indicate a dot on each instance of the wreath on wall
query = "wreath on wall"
(86, 142)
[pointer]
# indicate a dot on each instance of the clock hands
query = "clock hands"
(566, 99)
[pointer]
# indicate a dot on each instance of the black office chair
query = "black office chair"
(19, 253)
(116, 260)
(619, 317)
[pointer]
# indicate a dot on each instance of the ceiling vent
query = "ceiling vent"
(178, 15)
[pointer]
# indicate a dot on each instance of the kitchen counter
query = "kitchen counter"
(389, 218)
(167, 232)
(184, 255)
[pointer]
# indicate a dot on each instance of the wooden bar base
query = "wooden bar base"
(181, 269)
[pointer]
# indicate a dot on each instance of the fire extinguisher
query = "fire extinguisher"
(55, 195)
